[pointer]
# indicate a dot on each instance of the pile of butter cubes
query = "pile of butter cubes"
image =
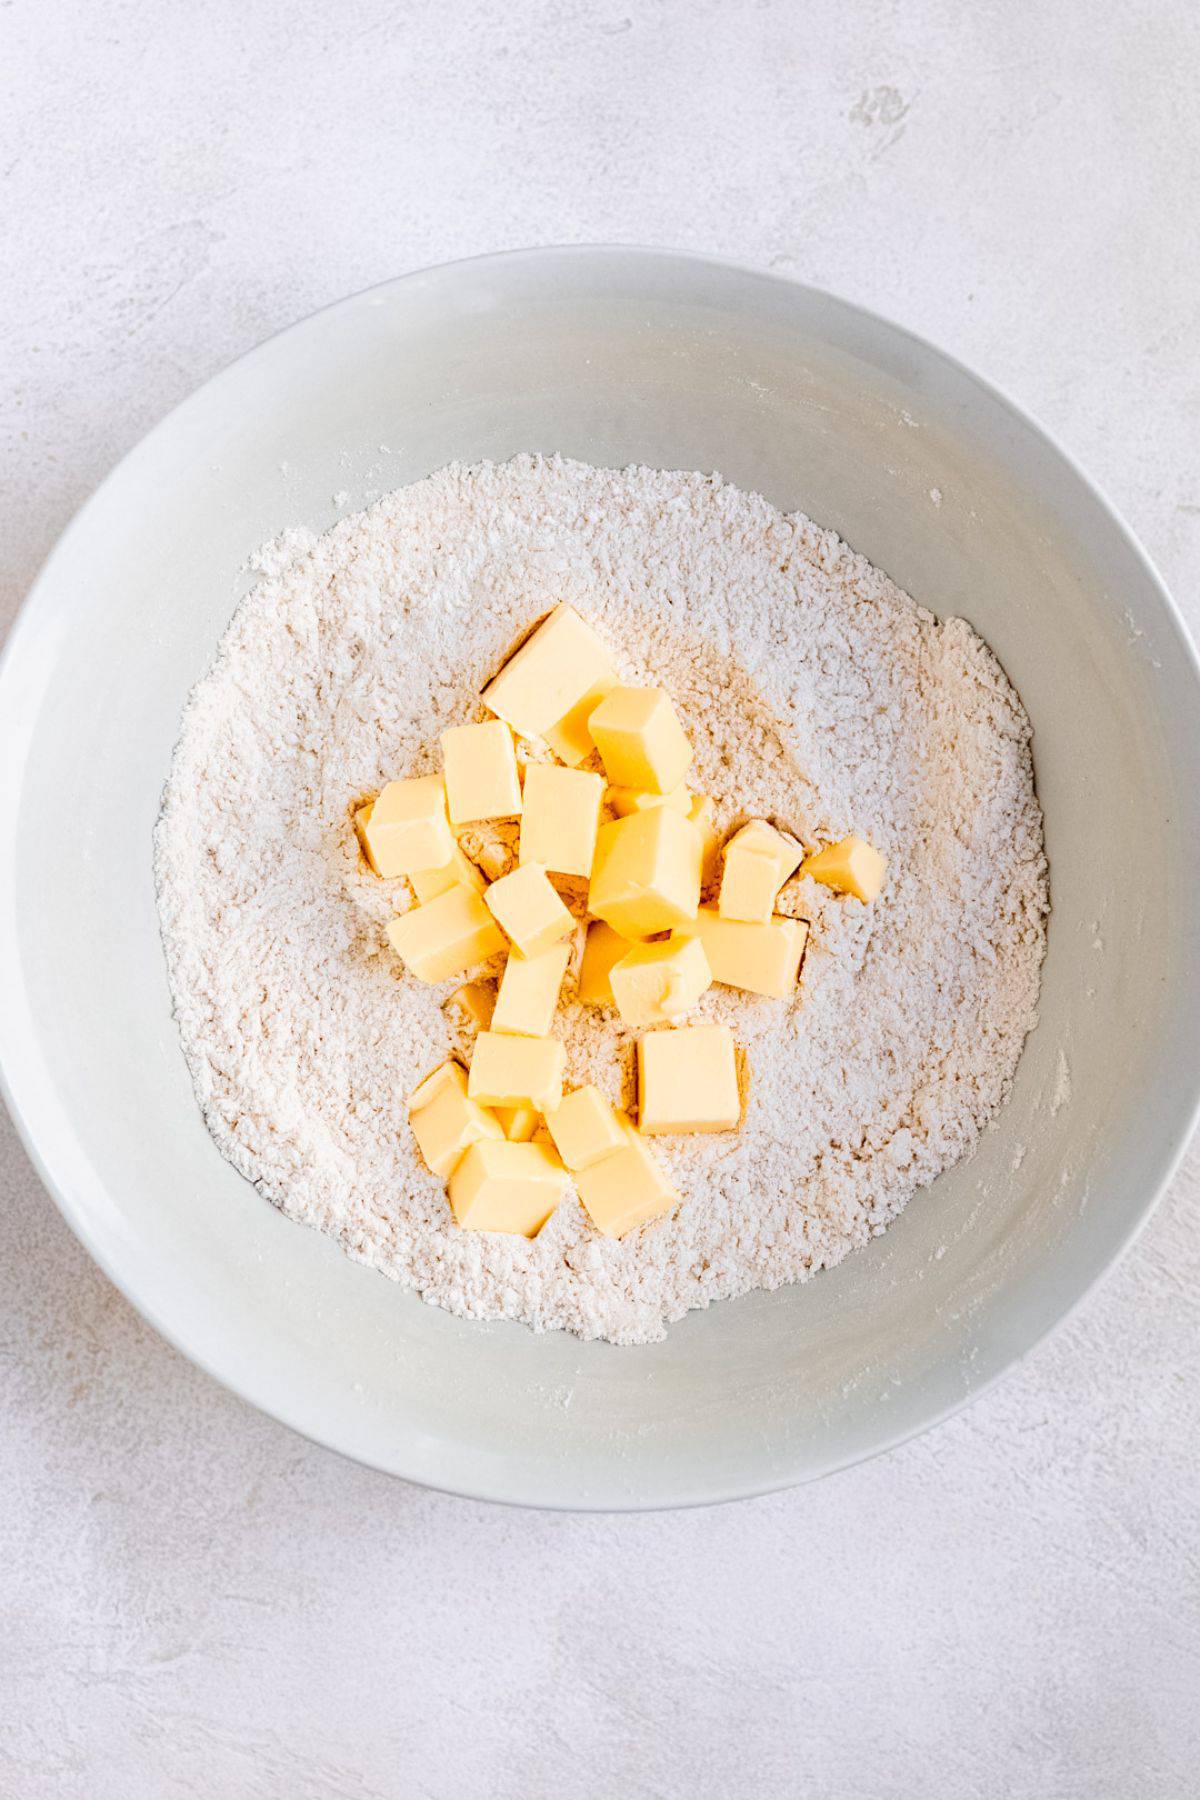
(503, 1134)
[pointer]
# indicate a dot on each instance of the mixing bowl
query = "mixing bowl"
(613, 356)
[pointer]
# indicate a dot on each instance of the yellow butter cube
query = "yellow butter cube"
(529, 992)
(482, 778)
(407, 827)
(449, 1075)
(527, 906)
(362, 818)
(570, 737)
(516, 1071)
(640, 740)
(762, 959)
(446, 935)
(851, 866)
(460, 871)
(625, 1189)
(702, 813)
(445, 1121)
(508, 1187)
(552, 672)
(624, 800)
(655, 984)
(602, 947)
(585, 1128)
(561, 818)
(758, 860)
(518, 1123)
(476, 1002)
(646, 873)
(687, 1080)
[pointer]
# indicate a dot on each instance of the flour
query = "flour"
(816, 694)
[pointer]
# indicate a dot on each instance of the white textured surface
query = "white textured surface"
(192, 1600)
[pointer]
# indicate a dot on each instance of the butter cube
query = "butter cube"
(482, 779)
(552, 672)
(570, 737)
(762, 959)
(446, 935)
(646, 873)
(475, 1001)
(702, 813)
(516, 1071)
(585, 1128)
(407, 828)
(640, 740)
(362, 818)
(507, 1187)
(529, 992)
(528, 908)
(449, 1076)
(561, 818)
(626, 800)
(687, 1080)
(626, 1189)
(518, 1123)
(758, 860)
(460, 871)
(655, 984)
(852, 866)
(445, 1122)
(602, 947)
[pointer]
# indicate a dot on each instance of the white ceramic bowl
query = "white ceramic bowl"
(613, 356)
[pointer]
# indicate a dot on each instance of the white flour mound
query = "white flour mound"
(815, 693)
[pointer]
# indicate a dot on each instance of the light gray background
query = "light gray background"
(194, 1602)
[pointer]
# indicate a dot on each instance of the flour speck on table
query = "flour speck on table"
(816, 695)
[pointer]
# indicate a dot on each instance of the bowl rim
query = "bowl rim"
(39, 603)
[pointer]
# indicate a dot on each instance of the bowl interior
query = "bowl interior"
(612, 357)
